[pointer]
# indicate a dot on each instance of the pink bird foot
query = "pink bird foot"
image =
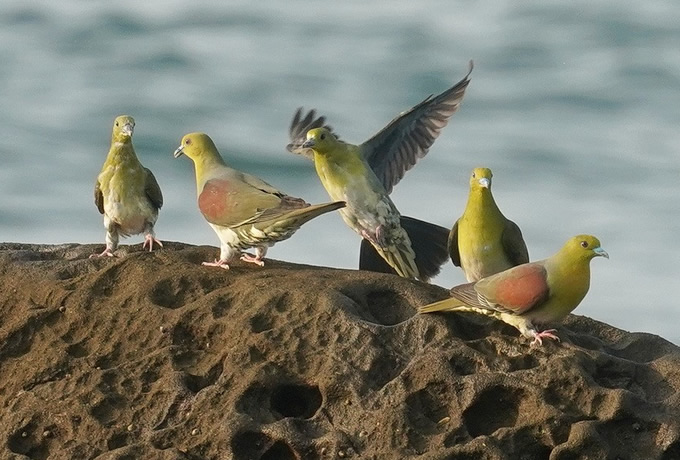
(217, 263)
(149, 241)
(257, 260)
(107, 252)
(547, 334)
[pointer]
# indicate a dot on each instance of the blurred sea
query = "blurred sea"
(573, 104)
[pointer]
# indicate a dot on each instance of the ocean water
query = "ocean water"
(573, 104)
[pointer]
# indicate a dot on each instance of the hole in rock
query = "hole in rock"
(23, 442)
(196, 383)
(248, 444)
(494, 408)
(296, 400)
(387, 307)
(260, 323)
(279, 451)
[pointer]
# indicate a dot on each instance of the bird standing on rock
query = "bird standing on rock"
(126, 192)
(244, 211)
(363, 175)
(483, 242)
(533, 293)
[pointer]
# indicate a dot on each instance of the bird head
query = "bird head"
(320, 140)
(197, 146)
(480, 178)
(123, 127)
(585, 247)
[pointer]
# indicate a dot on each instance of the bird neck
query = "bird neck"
(481, 201)
(338, 167)
(573, 273)
(121, 153)
(205, 166)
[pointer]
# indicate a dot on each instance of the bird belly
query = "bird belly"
(481, 254)
(131, 215)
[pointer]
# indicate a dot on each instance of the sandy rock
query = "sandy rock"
(150, 355)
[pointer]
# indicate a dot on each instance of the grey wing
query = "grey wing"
(98, 198)
(514, 245)
(407, 138)
(298, 131)
(153, 190)
(468, 294)
(453, 245)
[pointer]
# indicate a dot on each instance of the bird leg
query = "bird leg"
(111, 241)
(257, 258)
(107, 252)
(227, 254)
(149, 240)
(375, 239)
(547, 334)
(222, 263)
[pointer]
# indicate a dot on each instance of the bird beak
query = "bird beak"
(600, 252)
(309, 143)
(484, 182)
(128, 129)
(179, 152)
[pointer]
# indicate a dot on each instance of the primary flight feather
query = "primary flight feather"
(363, 175)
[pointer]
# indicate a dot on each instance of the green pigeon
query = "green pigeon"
(126, 192)
(483, 241)
(243, 210)
(363, 176)
(530, 294)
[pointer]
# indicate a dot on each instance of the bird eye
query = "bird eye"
(323, 136)
(116, 123)
(187, 142)
(474, 175)
(584, 244)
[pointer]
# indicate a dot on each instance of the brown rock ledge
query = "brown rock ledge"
(153, 356)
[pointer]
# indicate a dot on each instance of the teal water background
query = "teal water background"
(575, 105)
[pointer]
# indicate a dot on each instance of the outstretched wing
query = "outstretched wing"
(397, 147)
(298, 131)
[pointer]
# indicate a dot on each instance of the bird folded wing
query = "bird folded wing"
(98, 198)
(153, 190)
(233, 203)
(407, 138)
(513, 244)
(454, 252)
(516, 290)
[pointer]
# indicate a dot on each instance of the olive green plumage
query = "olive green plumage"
(483, 241)
(530, 294)
(363, 176)
(243, 210)
(126, 193)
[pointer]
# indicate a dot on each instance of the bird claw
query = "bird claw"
(150, 240)
(217, 263)
(107, 252)
(252, 259)
(547, 334)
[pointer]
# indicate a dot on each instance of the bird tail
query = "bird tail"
(450, 304)
(429, 242)
(286, 224)
(300, 216)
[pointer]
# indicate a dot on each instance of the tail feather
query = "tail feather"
(400, 258)
(450, 304)
(283, 226)
(429, 242)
